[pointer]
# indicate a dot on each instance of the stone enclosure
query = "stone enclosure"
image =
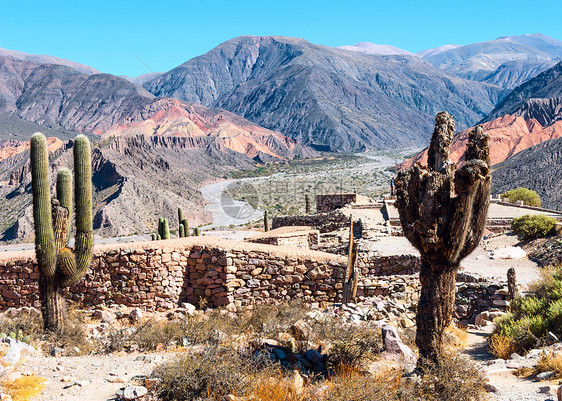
(159, 275)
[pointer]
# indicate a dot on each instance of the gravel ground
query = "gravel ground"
(478, 262)
(94, 369)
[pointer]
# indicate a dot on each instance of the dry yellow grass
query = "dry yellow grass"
(25, 388)
(273, 386)
(458, 337)
(502, 346)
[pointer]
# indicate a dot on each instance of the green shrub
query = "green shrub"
(532, 316)
(528, 196)
(533, 226)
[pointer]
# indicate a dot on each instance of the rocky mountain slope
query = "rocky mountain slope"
(528, 116)
(509, 135)
(506, 61)
(136, 179)
(326, 97)
(151, 154)
(46, 59)
(539, 98)
(538, 168)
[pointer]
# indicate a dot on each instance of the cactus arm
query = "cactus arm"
(60, 224)
(64, 195)
(44, 236)
(83, 200)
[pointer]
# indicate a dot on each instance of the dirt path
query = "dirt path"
(510, 387)
(95, 371)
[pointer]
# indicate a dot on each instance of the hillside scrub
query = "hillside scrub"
(533, 226)
(532, 317)
(528, 196)
(217, 372)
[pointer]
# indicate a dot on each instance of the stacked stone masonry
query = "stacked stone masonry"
(329, 202)
(324, 222)
(159, 275)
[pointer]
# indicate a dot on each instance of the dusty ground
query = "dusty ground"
(478, 262)
(95, 369)
(510, 387)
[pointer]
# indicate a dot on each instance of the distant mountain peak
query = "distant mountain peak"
(373, 48)
(46, 59)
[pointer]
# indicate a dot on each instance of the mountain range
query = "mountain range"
(258, 99)
(529, 118)
(326, 97)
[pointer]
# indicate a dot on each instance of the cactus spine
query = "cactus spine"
(59, 267)
(266, 221)
(443, 212)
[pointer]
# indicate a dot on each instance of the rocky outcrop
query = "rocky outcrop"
(136, 179)
(328, 97)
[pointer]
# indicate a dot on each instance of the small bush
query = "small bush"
(212, 374)
(528, 196)
(533, 226)
(353, 346)
(549, 362)
(502, 346)
(532, 317)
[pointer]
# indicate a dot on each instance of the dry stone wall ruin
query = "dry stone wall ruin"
(159, 275)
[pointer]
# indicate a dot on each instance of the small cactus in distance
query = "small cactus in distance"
(266, 221)
(197, 231)
(165, 230)
(181, 232)
(307, 204)
(59, 266)
(185, 224)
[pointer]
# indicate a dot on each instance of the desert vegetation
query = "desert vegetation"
(59, 267)
(443, 213)
(533, 226)
(535, 318)
(528, 196)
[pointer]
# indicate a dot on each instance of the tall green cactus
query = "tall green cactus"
(185, 224)
(181, 231)
(59, 267)
(443, 213)
(165, 230)
(265, 221)
(307, 204)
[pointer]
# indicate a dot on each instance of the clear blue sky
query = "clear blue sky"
(112, 35)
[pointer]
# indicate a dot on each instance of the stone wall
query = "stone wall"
(158, 275)
(329, 202)
(301, 237)
(324, 222)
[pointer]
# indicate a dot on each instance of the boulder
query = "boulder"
(301, 331)
(134, 392)
(511, 252)
(136, 314)
(394, 348)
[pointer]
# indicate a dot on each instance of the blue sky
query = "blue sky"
(114, 36)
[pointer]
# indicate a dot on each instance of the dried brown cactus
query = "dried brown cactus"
(443, 213)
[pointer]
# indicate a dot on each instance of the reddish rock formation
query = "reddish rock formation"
(508, 135)
(12, 147)
(170, 117)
